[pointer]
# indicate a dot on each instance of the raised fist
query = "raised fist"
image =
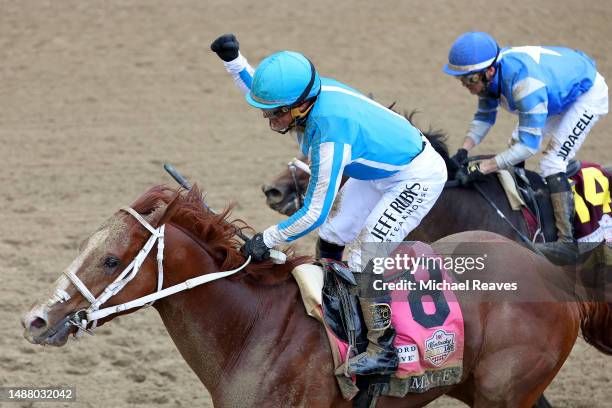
(226, 47)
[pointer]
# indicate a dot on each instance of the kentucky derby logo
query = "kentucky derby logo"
(439, 346)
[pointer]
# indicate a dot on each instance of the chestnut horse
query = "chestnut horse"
(247, 336)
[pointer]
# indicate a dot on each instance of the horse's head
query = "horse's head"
(283, 193)
(111, 269)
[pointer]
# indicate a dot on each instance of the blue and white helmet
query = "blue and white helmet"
(471, 52)
(285, 78)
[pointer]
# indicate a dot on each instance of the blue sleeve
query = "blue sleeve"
(484, 119)
(531, 100)
(327, 164)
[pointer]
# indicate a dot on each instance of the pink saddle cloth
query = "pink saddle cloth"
(429, 326)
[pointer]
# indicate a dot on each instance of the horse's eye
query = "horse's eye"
(110, 263)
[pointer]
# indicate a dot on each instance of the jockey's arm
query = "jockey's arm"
(241, 71)
(508, 158)
(484, 119)
(528, 145)
(306, 160)
(468, 143)
(327, 166)
(531, 100)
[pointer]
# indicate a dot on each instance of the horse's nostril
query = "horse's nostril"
(266, 187)
(273, 195)
(38, 323)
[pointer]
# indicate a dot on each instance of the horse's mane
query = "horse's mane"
(437, 137)
(215, 232)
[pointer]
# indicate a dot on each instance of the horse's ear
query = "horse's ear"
(168, 212)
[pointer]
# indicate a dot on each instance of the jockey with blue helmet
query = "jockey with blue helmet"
(556, 92)
(394, 175)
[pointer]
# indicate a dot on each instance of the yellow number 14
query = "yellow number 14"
(592, 177)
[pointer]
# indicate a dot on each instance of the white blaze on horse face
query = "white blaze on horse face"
(62, 284)
(60, 295)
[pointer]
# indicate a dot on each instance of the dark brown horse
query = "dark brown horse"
(247, 336)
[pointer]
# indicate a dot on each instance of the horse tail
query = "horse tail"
(596, 325)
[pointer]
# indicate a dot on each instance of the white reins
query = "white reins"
(93, 313)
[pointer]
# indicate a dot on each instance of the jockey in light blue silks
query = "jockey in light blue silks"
(556, 92)
(395, 176)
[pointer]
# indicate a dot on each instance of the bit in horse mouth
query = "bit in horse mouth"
(288, 208)
(57, 335)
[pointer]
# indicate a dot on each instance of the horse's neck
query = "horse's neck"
(464, 209)
(231, 336)
(226, 327)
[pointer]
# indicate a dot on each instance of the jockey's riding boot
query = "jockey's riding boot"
(380, 356)
(325, 249)
(564, 251)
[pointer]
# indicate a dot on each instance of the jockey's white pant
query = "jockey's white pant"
(569, 129)
(384, 210)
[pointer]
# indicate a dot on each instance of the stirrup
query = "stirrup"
(340, 270)
(382, 363)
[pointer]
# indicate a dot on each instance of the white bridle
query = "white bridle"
(93, 313)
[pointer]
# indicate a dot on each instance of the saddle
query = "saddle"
(591, 185)
(431, 355)
(537, 209)
(528, 192)
(327, 290)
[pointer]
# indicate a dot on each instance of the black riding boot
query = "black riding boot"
(564, 251)
(328, 250)
(380, 356)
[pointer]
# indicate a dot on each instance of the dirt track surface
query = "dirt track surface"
(95, 96)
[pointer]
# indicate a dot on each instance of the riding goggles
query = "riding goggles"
(275, 113)
(296, 113)
(471, 79)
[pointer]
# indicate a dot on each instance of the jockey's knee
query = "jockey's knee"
(558, 183)
(552, 165)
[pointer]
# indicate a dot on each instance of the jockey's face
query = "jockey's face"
(282, 118)
(279, 118)
(477, 82)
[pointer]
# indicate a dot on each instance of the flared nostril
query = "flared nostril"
(273, 195)
(38, 323)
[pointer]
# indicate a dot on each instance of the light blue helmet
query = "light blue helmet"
(285, 78)
(471, 52)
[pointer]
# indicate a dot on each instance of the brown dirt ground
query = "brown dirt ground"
(95, 96)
